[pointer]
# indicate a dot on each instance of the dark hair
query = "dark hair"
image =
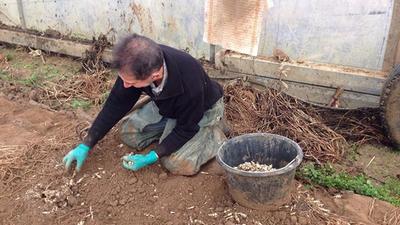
(139, 54)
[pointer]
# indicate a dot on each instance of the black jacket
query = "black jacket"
(187, 94)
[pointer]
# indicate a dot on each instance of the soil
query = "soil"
(105, 193)
(36, 189)
(103, 190)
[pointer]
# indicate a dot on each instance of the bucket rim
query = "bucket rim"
(292, 165)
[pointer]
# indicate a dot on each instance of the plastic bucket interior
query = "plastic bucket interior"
(260, 190)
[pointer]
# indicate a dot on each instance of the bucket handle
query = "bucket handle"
(291, 162)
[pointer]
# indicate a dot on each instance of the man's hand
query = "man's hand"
(79, 154)
(138, 161)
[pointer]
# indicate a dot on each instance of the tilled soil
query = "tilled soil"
(105, 193)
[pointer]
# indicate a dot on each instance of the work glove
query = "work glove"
(79, 154)
(138, 161)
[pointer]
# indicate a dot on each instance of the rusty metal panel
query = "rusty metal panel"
(177, 23)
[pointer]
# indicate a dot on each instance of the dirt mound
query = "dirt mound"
(360, 208)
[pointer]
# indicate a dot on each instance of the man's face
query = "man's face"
(130, 80)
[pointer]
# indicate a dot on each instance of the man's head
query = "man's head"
(139, 61)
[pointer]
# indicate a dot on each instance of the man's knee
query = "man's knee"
(179, 166)
(140, 139)
(127, 134)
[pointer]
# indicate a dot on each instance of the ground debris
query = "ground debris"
(255, 167)
(198, 222)
(11, 158)
(55, 195)
(215, 215)
(313, 209)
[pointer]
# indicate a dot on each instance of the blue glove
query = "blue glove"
(138, 161)
(79, 154)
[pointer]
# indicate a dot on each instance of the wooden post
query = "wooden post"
(390, 58)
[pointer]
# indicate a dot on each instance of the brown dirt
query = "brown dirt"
(35, 188)
(360, 208)
(105, 193)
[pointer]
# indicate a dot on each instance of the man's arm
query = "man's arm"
(118, 103)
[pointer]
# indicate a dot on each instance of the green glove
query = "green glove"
(79, 154)
(138, 161)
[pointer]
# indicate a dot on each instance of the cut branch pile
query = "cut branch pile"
(362, 125)
(88, 87)
(321, 135)
(92, 62)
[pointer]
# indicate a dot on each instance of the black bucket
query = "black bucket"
(260, 190)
